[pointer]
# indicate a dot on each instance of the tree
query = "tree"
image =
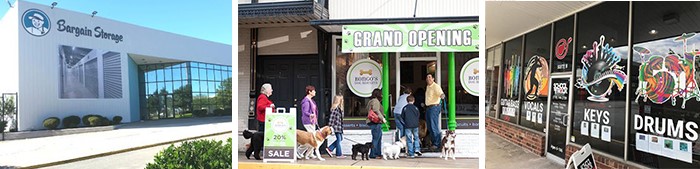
(223, 94)
(182, 97)
(7, 111)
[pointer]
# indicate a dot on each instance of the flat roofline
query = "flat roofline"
(395, 20)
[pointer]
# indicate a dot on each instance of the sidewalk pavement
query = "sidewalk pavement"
(46, 151)
(128, 160)
(402, 162)
(503, 154)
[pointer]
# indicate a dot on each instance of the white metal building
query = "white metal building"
(64, 63)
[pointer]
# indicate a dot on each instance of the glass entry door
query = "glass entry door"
(558, 118)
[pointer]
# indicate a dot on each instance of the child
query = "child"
(410, 115)
(336, 121)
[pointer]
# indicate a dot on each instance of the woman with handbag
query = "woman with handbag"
(375, 119)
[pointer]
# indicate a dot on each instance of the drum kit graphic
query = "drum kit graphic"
(670, 76)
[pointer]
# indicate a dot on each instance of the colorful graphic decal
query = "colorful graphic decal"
(536, 77)
(600, 72)
(663, 78)
(562, 48)
(511, 74)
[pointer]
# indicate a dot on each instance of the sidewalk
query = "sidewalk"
(418, 162)
(60, 149)
(503, 154)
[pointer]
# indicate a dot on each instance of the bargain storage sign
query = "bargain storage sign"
(433, 37)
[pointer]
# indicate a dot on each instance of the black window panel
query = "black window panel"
(600, 121)
(512, 68)
(563, 45)
(535, 79)
(656, 26)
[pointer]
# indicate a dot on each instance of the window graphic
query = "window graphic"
(89, 73)
(601, 72)
(668, 77)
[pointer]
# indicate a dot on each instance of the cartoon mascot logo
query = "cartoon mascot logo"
(36, 22)
(600, 72)
(667, 77)
(536, 77)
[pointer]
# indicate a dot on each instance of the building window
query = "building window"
(465, 103)
(493, 65)
(535, 79)
(356, 106)
(510, 95)
(599, 97)
(170, 93)
(663, 83)
(563, 45)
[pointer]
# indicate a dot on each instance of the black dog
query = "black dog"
(256, 143)
(362, 148)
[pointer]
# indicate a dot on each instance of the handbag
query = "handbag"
(373, 117)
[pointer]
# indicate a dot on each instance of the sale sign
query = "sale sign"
(280, 135)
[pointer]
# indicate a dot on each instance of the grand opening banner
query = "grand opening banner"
(433, 37)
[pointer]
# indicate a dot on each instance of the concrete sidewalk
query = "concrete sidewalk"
(503, 154)
(128, 160)
(418, 162)
(38, 152)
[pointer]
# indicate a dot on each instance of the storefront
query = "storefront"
(308, 34)
(623, 82)
(64, 63)
(391, 48)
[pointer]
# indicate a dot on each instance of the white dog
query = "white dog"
(393, 150)
(448, 145)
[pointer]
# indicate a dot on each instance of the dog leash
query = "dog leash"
(344, 138)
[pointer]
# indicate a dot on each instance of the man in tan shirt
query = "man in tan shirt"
(433, 94)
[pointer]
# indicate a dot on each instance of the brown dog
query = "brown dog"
(423, 134)
(310, 142)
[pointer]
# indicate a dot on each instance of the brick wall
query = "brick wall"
(601, 161)
(528, 139)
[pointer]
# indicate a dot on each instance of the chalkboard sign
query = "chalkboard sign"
(558, 117)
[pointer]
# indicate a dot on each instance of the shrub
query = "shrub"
(200, 112)
(195, 154)
(71, 122)
(86, 118)
(228, 110)
(3, 125)
(95, 121)
(52, 123)
(117, 119)
(219, 112)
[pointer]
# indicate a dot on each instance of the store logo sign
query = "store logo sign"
(562, 48)
(561, 90)
(470, 76)
(36, 22)
(364, 76)
(536, 77)
(600, 72)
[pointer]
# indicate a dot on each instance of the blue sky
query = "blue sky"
(203, 19)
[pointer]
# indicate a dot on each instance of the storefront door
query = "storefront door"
(557, 120)
(289, 76)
